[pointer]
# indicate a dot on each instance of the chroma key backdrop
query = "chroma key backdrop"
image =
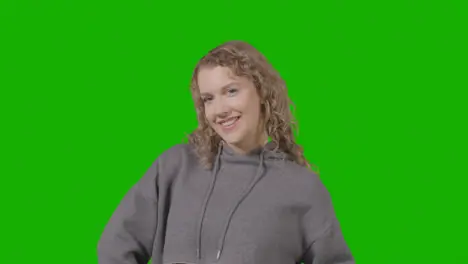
(91, 92)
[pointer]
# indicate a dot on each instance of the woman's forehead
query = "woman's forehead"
(215, 79)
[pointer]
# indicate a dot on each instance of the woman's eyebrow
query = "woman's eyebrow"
(224, 87)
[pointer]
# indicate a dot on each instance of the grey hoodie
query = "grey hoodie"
(249, 209)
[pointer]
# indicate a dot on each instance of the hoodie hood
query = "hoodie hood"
(269, 150)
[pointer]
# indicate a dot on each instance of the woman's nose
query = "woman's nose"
(221, 109)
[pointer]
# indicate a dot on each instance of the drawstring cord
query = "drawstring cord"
(257, 178)
(207, 197)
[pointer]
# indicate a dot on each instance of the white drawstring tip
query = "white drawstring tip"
(218, 255)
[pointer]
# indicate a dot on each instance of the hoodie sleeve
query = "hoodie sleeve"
(128, 236)
(322, 232)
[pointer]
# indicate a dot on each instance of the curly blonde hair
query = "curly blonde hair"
(245, 61)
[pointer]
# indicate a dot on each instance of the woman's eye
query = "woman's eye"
(232, 91)
(206, 99)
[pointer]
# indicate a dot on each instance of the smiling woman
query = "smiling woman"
(237, 70)
(232, 108)
(231, 195)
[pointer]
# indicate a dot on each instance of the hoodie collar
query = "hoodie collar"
(269, 151)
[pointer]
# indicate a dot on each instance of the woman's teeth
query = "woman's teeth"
(230, 122)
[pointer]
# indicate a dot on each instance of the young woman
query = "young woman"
(240, 192)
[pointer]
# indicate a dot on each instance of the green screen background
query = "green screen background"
(93, 91)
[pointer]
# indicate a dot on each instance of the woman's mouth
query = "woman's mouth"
(229, 123)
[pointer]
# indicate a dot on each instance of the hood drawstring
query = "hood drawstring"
(257, 178)
(207, 198)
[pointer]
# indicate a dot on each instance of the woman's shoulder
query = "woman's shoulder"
(299, 172)
(176, 150)
(176, 153)
(304, 178)
(179, 156)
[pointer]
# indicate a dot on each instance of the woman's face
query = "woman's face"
(232, 107)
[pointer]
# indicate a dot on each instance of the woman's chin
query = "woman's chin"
(231, 140)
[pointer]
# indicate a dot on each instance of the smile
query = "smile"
(230, 122)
